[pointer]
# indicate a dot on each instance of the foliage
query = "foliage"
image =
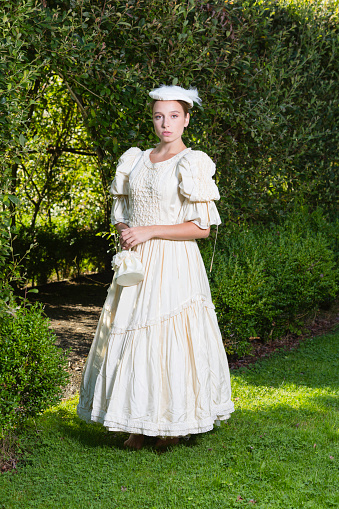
(5, 289)
(76, 77)
(265, 280)
(62, 252)
(278, 450)
(32, 368)
(9, 263)
(58, 179)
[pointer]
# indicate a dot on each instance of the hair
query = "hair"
(184, 104)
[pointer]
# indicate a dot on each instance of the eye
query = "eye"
(174, 116)
(157, 117)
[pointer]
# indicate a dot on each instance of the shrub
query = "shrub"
(265, 280)
(5, 289)
(32, 367)
(64, 252)
(10, 265)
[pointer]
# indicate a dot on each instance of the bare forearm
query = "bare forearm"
(130, 237)
(183, 231)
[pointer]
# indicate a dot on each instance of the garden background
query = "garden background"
(74, 82)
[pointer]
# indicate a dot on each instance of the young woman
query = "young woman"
(157, 366)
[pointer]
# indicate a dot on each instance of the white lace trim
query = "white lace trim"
(180, 429)
(167, 162)
(199, 299)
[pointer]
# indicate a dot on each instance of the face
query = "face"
(169, 120)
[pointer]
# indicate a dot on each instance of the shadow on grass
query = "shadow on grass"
(285, 426)
(92, 435)
(315, 364)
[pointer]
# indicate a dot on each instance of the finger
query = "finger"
(124, 234)
(129, 242)
(125, 245)
(128, 236)
(132, 239)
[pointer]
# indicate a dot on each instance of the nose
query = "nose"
(164, 121)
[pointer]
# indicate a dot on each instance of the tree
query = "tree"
(267, 75)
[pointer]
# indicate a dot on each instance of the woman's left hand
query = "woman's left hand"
(131, 237)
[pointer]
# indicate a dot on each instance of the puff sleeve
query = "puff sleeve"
(120, 186)
(198, 189)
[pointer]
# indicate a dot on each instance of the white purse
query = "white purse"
(128, 268)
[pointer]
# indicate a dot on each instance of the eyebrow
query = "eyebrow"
(159, 112)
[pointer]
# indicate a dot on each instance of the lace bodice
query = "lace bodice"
(170, 192)
(147, 187)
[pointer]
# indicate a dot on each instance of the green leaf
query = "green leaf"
(22, 140)
(13, 199)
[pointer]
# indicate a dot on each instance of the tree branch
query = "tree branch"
(100, 152)
(71, 150)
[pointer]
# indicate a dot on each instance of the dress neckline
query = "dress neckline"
(148, 153)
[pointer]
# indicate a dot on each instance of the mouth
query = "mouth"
(166, 133)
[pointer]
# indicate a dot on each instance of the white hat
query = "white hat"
(174, 93)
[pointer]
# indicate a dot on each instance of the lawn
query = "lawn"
(280, 449)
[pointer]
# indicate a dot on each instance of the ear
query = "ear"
(187, 120)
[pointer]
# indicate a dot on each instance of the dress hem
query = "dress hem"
(154, 430)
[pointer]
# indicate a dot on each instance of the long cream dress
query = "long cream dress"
(157, 365)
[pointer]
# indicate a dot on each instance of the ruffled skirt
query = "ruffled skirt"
(157, 365)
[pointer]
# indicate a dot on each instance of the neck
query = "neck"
(170, 148)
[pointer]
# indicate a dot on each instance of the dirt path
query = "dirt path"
(74, 308)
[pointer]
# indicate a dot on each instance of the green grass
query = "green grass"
(279, 449)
